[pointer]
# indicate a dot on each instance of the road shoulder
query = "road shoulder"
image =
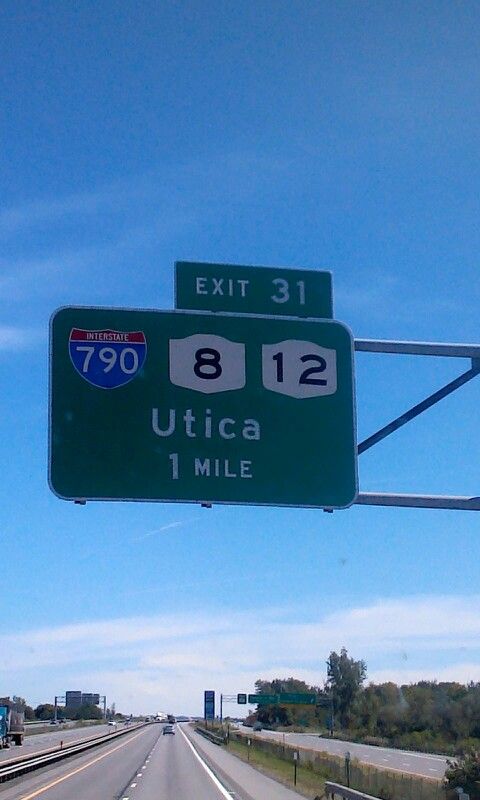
(245, 781)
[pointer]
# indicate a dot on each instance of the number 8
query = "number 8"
(203, 363)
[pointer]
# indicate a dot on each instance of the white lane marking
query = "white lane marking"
(431, 769)
(207, 769)
(132, 785)
(139, 774)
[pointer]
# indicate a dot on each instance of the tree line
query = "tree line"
(427, 715)
(46, 711)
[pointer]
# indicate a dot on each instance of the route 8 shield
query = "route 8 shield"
(207, 363)
(107, 359)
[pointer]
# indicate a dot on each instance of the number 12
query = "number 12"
(305, 376)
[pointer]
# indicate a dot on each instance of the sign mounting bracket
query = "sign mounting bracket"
(425, 349)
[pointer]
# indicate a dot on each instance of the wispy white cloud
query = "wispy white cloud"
(163, 528)
(44, 211)
(460, 671)
(13, 338)
(56, 274)
(231, 169)
(175, 655)
(144, 211)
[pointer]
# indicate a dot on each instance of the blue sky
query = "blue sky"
(336, 136)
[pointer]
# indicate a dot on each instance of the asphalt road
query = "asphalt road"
(44, 741)
(424, 764)
(242, 781)
(146, 765)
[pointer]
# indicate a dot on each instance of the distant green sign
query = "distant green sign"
(241, 699)
(301, 698)
(185, 406)
(253, 290)
(283, 698)
(263, 699)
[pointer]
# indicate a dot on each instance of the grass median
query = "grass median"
(309, 783)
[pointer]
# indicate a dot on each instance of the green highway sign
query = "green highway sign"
(283, 698)
(194, 407)
(301, 698)
(263, 699)
(253, 290)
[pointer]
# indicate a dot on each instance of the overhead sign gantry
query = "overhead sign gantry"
(243, 394)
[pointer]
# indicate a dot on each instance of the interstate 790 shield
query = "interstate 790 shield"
(194, 407)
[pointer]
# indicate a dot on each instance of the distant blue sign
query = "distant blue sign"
(209, 705)
(107, 359)
(3, 721)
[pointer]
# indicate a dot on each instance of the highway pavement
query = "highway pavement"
(242, 781)
(424, 764)
(146, 765)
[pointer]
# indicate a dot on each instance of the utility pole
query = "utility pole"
(58, 699)
(332, 709)
(226, 698)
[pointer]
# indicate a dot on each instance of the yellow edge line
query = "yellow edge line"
(79, 769)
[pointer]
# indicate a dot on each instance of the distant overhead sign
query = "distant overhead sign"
(241, 699)
(185, 406)
(283, 698)
(301, 698)
(253, 290)
(263, 699)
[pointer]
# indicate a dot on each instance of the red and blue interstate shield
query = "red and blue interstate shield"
(107, 359)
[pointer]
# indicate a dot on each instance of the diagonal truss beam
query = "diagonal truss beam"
(426, 349)
(418, 409)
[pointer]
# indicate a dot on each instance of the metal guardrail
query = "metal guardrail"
(209, 735)
(19, 766)
(331, 789)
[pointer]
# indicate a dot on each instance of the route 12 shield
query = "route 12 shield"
(106, 358)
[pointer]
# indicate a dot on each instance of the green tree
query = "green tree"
(345, 678)
(88, 712)
(465, 772)
(20, 704)
(285, 715)
(45, 711)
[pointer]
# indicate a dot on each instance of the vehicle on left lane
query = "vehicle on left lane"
(168, 729)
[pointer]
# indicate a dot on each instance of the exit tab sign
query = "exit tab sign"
(253, 290)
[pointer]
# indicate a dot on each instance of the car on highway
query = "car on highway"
(168, 729)
(112, 722)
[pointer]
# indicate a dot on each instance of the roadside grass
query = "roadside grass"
(315, 767)
(309, 783)
(33, 730)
